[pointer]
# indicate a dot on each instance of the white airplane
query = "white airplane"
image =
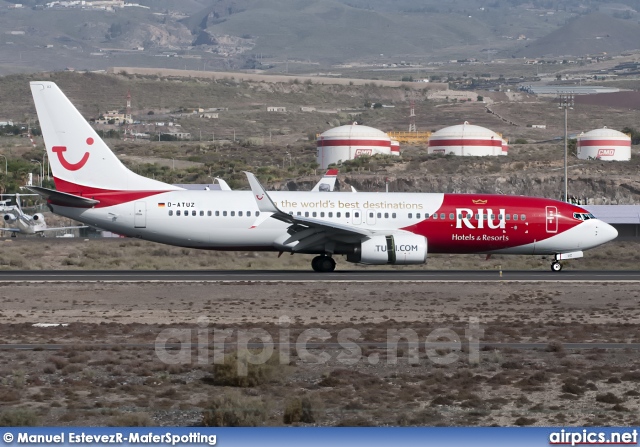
(21, 223)
(95, 188)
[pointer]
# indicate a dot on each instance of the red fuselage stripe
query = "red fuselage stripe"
(105, 196)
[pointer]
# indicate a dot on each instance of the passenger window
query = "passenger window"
(177, 212)
(209, 213)
(508, 217)
(523, 217)
(186, 213)
(435, 215)
(321, 213)
(493, 217)
(224, 214)
(515, 217)
(330, 213)
(386, 215)
(193, 213)
(418, 216)
(202, 213)
(442, 216)
(450, 216)
(499, 216)
(306, 214)
(371, 215)
(233, 213)
(338, 214)
(356, 214)
(379, 215)
(315, 214)
(347, 214)
(410, 215)
(257, 213)
(249, 213)
(240, 213)
(217, 213)
(426, 215)
(393, 215)
(299, 213)
(170, 212)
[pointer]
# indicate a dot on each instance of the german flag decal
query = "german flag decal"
(161, 205)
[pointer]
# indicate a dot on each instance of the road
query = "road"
(387, 276)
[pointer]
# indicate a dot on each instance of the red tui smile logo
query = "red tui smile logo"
(65, 163)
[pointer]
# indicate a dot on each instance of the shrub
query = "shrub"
(524, 421)
(131, 420)
(300, 410)
(18, 417)
(226, 374)
(608, 398)
(234, 410)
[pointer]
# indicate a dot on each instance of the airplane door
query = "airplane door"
(371, 217)
(357, 217)
(140, 215)
(552, 219)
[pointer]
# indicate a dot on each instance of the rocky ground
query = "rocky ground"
(115, 367)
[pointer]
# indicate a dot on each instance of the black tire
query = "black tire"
(315, 263)
(556, 266)
(323, 264)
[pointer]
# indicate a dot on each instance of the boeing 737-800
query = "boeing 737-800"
(94, 187)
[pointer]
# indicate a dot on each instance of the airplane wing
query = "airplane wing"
(11, 230)
(62, 198)
(327, 182)
(303, 230)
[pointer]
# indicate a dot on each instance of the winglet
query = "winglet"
(265, 204)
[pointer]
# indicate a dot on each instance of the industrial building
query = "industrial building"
(351, 141)
(604, 144)
(468, 140)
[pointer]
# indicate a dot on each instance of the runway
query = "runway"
(386, 276)
(308, 345)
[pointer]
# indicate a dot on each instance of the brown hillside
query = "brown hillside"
(618, 100)
(588, 34)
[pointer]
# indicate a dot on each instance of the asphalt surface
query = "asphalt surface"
(386, 276)
(311, 345)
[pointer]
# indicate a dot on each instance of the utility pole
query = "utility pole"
(566, 103)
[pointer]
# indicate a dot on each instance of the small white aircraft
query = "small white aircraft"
(22, 223)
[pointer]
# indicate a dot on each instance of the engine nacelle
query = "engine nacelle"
(399, 249)
(38, 218)
(9, 218)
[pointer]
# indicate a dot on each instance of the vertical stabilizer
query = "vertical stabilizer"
(80, 161)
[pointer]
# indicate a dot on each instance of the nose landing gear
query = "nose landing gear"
(556, 266)
(323, 264)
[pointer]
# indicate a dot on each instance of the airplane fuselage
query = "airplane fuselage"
(451, 223)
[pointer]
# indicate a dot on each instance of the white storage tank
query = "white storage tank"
(395, 147)
(467, 139)
(604, 144)
(349, 142)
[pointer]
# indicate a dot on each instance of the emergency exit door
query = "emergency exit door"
(140, 215)
(552, 219)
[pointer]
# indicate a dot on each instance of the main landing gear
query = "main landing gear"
(324, 264)
(556, 266)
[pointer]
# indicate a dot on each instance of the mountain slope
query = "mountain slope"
(588, 34)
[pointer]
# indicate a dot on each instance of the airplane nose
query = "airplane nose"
(607, 232)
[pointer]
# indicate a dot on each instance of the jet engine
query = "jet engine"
(9, 218)
(38, 218)
(398, 249)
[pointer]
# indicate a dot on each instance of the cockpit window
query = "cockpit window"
(583, 216)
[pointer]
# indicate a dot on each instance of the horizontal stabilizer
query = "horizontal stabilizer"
(63, 199)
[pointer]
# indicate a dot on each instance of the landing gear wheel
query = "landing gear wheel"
(13, 234)
(323, 264)
(556, 266)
